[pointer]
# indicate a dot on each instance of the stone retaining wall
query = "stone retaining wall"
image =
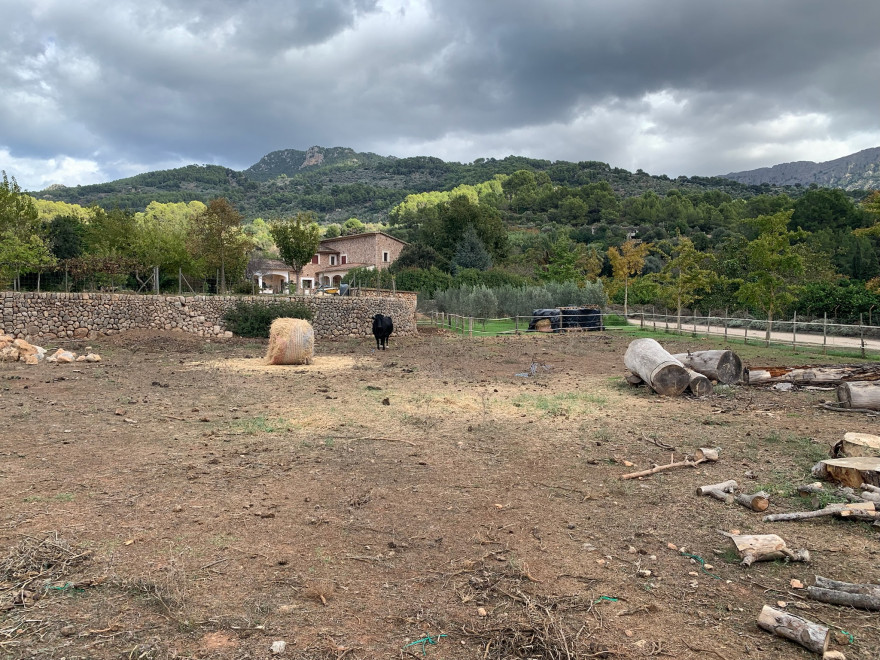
(34, 316)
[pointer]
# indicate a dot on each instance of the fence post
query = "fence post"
(746, 339)
(471, 326)
(66, 287)
(39, 272)
(516, 324)
(725, 324)
(156, 280)
(794, 333)
(824, 333)
(642, 324)
(708, 323)
(862, 335)
(179, 281)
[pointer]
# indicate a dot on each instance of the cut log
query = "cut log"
(724, 367)
(756, 502)
(702, 455)
(844, 510)
(871, 488)
(699, 384)
(860, 444)
(859, 394)
(862, 596)
(812, 375)
(852, 472)
(765, 547)
(654, 365)
(721, 491)
(810, 635)
(848, 587)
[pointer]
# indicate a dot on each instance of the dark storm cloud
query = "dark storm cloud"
(682, 86)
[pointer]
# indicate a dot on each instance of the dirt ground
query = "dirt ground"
(180, 499)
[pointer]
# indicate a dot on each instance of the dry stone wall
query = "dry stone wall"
(34, 316)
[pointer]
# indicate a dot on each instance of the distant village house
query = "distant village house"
(335, 257)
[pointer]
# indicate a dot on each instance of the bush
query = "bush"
(248, 319)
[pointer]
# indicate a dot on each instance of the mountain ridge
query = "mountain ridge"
(338, 183)
(858, 171)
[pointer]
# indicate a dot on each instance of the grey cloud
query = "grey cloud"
(227, 81)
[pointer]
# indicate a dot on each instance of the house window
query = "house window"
(316, 259)
(344, 258)
(332, 259)
(306, 283)
(385, 257)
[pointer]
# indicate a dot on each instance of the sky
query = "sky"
(94, 90)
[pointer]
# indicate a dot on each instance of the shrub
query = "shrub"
(247, 319)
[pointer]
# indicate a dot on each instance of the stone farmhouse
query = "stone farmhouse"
(335, 257)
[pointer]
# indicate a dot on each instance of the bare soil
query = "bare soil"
(181, 499)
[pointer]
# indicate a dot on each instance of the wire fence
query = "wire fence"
(805, 334)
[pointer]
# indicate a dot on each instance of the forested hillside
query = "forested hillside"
(338, 183)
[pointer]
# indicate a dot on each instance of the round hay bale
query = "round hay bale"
(544, 325)
(291, 341)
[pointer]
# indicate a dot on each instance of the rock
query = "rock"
(278, 647)
(783, 387)
(62, 357)
(481, 611)
(9, 354)
(32, 359)
(68, 631)
(92, 357)
(833, 655)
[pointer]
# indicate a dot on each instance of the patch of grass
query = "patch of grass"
(262, 424)
(565, 403)
(730, 556)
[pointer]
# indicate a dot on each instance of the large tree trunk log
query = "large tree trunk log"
(757, 502)
(859, 394)
(812, 375)
(722, 366)
(654, 365)
(810, 635)
(852, 472)
(764, 547)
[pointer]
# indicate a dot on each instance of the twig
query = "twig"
(698, 650)
(660, 468)
(655, 441)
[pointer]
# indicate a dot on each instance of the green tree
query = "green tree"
(218, 241)
(162, 233)
(772, 266)
(471, 253)
(685, 276)
(111, 234)
(625, 263)
(20, 241)
(297, 239)
(65, 236)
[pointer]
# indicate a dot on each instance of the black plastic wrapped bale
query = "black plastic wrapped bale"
(552, 315)
(588, 318)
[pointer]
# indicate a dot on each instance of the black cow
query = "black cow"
(382, 329)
